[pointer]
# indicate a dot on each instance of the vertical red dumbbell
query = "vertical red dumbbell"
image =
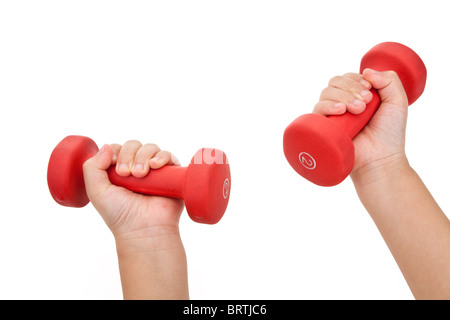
(320, 148)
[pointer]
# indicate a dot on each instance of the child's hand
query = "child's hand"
(382, 141)
(152, 260)
(126, 212)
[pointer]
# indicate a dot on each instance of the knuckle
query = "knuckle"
(164, 154)
(133, 143)
(152, 146)
(146, 151)
(357, 87)
(334, 80)
(87, 164)
(352, 75)
(392, 74)
(319, 107)
(323, 93)
(115, 146)
(128, 150)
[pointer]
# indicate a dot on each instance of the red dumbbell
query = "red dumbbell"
(204, 184)
(320, 148)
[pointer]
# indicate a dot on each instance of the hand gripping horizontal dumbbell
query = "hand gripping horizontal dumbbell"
(320, 148)
(204, 184)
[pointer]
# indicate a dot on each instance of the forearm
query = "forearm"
(413, 226)
(153, 267)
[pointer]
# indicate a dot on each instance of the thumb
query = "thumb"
(94, 169)
(389, 86)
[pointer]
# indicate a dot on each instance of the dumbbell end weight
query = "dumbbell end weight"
(404, 61)
(207, 186)
(318, 149)
(65, 170)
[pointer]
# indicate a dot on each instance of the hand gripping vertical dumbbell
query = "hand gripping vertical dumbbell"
(204, 184)
(320, 148)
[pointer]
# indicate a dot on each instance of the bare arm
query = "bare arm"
(153, 266)
(413, 226)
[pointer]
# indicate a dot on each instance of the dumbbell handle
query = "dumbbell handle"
(167, 181)
(354, 123)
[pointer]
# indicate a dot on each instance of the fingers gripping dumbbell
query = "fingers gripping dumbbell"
(320, 148)
(204, 184)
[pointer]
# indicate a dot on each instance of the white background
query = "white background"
(190, 74)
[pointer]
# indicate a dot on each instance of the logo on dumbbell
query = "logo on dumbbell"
(307, 160)
(226, 188)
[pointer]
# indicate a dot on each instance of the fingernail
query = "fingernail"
(157, 158)
(123, 167)
(102, 149)
(358, 103)
(339, 105)
(366, 84)
(364, 93)
(138, 167)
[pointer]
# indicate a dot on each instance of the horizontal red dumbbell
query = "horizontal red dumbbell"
(320, 148)
(204, 184)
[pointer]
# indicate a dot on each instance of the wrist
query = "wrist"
(147, 240)
(380, 171)
(152, 264)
